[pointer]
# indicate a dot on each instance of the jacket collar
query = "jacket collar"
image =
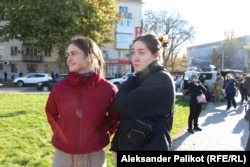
(89, 80)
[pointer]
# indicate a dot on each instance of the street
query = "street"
(12, 89)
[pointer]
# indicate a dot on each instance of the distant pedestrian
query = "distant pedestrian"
(243, 86)
(218, 85)
(5, 76)
(247, 147)
(195, 88)
(230, 86)
(52, 74)
(20, 74)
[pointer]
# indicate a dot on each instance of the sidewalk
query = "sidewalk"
(221, 130)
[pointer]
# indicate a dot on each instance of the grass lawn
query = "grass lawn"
(26, 134)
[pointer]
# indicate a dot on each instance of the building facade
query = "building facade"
(18, 57)
(117, 55)
(200, 56)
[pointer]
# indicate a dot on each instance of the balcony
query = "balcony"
(26, 58)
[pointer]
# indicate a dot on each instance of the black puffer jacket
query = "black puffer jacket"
(148, 96)
(195, 90)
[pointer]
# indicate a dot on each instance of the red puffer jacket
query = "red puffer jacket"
(81, 113)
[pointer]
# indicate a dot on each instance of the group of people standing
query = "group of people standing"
(229, 87)
(85, 109)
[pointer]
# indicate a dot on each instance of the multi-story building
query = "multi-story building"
(201, 55)
(117, 55)
(20, 57)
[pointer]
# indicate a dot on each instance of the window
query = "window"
(1, 38)
(206, 76)
(31, 67)
(47, 53)
(13, 50)
(120, 54)
(123, 9)
(14, 67)
(1, 66)
(47, 68)
(1, 52)
(124, 38)
(125, 23)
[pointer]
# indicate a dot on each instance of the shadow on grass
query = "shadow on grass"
(12, 114)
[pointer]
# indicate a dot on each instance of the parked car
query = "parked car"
(31, 79)
(118, 81)
(178, 83)
(48, 85)
(208, 78)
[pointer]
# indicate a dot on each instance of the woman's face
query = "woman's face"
(77, 61)
(141, 56)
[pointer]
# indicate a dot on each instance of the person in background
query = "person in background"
(52, 74)
(218, 86)
(247, 147)
(5, 76)
(195, 87)
(230, 86)
(243, 86)
(148, 97)
(20, 74)
(80, 109)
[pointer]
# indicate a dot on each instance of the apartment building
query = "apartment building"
(20, 57)
(117, 55)
(201, 55)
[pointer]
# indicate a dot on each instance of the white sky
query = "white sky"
(210, 18)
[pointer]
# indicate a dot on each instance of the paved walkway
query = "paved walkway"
(221, 130)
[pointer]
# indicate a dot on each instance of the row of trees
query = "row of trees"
(52, 23)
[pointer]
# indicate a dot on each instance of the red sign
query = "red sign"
(138, 32)
(117, 62)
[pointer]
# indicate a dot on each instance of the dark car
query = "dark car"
(48, 85)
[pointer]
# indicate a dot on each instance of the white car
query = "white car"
(31, 79)
(118, 81)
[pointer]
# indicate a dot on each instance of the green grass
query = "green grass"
(26, 134)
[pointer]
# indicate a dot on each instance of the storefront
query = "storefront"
(117, 68)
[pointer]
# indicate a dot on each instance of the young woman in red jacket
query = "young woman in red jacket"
(80, 109)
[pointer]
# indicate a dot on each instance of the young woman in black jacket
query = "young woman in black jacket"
(195, 87)
(145, 98)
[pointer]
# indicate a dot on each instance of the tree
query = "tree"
(229, 48)
(180, 63)
(216, 57)
(172, 25)
(52, 23)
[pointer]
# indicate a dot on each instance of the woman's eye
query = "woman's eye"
(141, 53)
